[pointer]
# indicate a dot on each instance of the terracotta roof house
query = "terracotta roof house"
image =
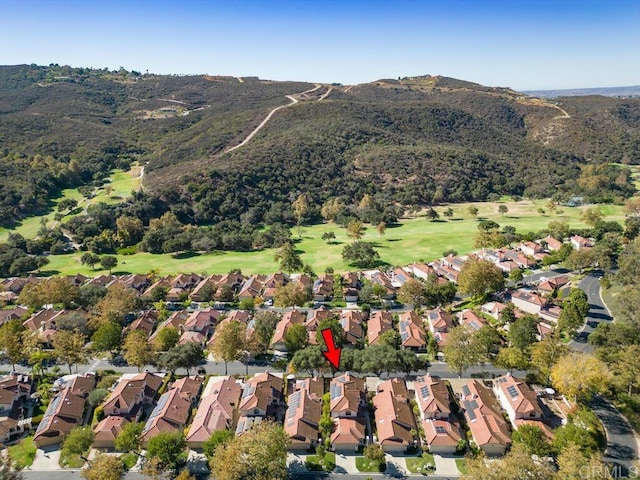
(173, 408)
(137, 282)
(421, 270)
(314, 317)
(209, 283)
(379, 322)
(550, 313)
(351, 286)
(517, 398)
(493, 308)
(102, 280)
(262, 395)
(322, 289)
(528, 301)
(14, 313)
(176, 320)
(65, 411)
(579, 242)
(145, 322)
(432, 397)
(14, 389)
(314, 387)
(251, 288)
(302, 419)
(442, 436)
(394, 416)
(552, 243)
(530, 248)
(186, 281)
(454, 262)
(351, 322)
(445, 271)
(412, 332)
(399, 277)
(292, 317)
(472, 320)
(489, 429)
(42, 319)
(202, 321)
(164, 283)
(377, 277)
(106, 431)
(553, 284)
(439, 320)
(131, 394)
(270, 284)
(348, 398)
(220, 398)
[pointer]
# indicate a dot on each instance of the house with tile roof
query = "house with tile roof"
(15, 388)
(528, 301)
(412, 334)
(552, 243)
(348, 401)
(289, 318)
(322, 289)
(394, 418)
(471, 319)
(262, 396)
(517, 398)
(107, 430)
(351, 322)
(379, 322)
(302, 418)
(131, 394)
(220, 398)
(489, 429)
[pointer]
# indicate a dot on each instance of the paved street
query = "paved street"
(598, 312)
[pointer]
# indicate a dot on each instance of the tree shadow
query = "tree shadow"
(393, 240)
(48, 273)
(120, 272)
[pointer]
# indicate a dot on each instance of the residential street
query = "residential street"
(598, 312)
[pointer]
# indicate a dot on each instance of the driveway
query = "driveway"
(46, 459)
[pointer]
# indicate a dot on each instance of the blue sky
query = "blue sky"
(524, 44)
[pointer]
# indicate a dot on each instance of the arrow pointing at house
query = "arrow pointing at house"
(332, 354)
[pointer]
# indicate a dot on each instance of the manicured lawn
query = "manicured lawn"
(71, 461)
(420, 464)
(123, 184)
(23, 453)
(315, 464)
(610, 297)
(461, 463)
(129, 460)
(412, 240)
(364, 465)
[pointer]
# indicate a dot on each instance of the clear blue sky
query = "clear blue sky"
(524, 44)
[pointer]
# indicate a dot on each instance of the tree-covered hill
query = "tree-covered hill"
(406, 142)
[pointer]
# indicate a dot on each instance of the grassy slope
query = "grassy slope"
(412, 240)
(123, 184)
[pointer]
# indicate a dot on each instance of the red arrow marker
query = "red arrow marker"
(332, 354)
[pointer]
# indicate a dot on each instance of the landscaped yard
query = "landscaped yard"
(129, 460)
(421, 464)
(364, 465)
(412, 240)
(315, 464)
(461, 463)
(23, 453)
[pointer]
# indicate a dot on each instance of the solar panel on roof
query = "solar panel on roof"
(424, 391)
(513, 391)
(248, 390)
(335, 391)
(469, 411)
(440, 429)
(465, 391)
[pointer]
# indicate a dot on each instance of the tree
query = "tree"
(217, 438)
(259, 454)
(579, 259)
(309, 359)
(137, 350)
(574, 464)
(11, 341)
(337, 331)
(186, 356)
(103, 467)
(374, 453)
(68, 348)
(107, 337)
(516, 275)
(90, 259)
(329, 237)
(360, 254)
(56, 290)
(460, 351)
(381, 228)
(448, 213)
(533, 439)
(391, 338)
(591, 216)
(579, 375)
(545, 354)
(355, 230)
(113, 307)
(488, 341)
(108, 189)
(296, 338)
(522, 332)
(289, 259)
(185, 475)
(632, 206)
(96, 396)
(300, 207)
(228, 342)
(7, 472)
(293, 294)
(169, 448)
(128, 440)
(516, 464)
(431, 214)
(78, 441)
(574, 312)
(167, 338)
(502, 209)
(473, 211)
(130, 230)
(67, 204)
(625, 366)
(265, 325)
(512, 358)
(108, 262)
(331, 208)
(413, 292)
(479, 278)
(583, 428)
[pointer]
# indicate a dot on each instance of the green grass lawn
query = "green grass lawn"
(364, 465)
(71, 461)
(123, 184)
(461, 463)
(610, 297)
(129, 460)
(412, 240)
(315, 464)
(420, 464)
(23, 453)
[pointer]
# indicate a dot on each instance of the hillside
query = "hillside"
(411, 141)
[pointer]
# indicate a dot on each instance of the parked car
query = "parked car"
(119, 361)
